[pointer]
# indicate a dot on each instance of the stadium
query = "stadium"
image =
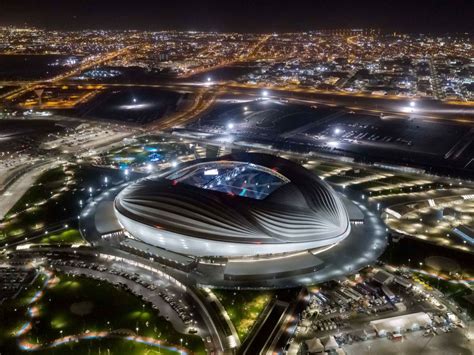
(237, 206)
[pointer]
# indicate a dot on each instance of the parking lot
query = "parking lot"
(453, 343)
(404, 138)
(345, 313)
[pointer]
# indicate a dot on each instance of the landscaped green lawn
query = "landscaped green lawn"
(68, 236)
(42, 204)
(450, 290)
(243, 307)
(77, 305)
(146, 149)
(13, 316)
(112, 346)
(44, 187)
(54, 197)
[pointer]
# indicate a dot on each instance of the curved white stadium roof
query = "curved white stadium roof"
(238, 205)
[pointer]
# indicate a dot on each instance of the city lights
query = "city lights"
(258, 178)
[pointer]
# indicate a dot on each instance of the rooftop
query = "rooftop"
(232, 177)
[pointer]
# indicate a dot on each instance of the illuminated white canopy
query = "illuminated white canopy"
(238, 205)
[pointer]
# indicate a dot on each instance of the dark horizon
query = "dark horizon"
(424, 16)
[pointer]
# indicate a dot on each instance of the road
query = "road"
(23, 182)
(457, 112)
(255, 50)
(17, 188)
(203, 100)
(251, 54)
(28, 86)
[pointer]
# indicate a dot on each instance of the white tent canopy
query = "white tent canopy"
(401, 323)
(314, 345)
(331, 344)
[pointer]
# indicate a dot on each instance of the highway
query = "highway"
(251, 54)
(15, 190)
(425, 108)
(460, 112)
(203, 100)
(28, 86)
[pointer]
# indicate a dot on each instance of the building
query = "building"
(465, 233)
(383, 277)
(400, 324)
(244, 220)
(237, 206)
(314, 346)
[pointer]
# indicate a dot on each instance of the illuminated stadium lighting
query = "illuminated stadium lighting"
(135, 106)
(209, 79)
(174, 164)
(212, 172)
(412, 104)
(265, 93)
(246, 108)
(337, 131)
(230, 125)
(134, 100)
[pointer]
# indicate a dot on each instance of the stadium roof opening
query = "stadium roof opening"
(232, 177)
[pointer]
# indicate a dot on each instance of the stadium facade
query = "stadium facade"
(236, 206)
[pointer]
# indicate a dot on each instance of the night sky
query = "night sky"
(438, 16)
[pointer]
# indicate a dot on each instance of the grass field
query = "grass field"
(78, 305)
(48, 200)
(243, 307)
(54, 198)
(68, 236)
(454, 291)
(145, 150)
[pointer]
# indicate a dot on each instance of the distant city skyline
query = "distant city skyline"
(434, 16)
